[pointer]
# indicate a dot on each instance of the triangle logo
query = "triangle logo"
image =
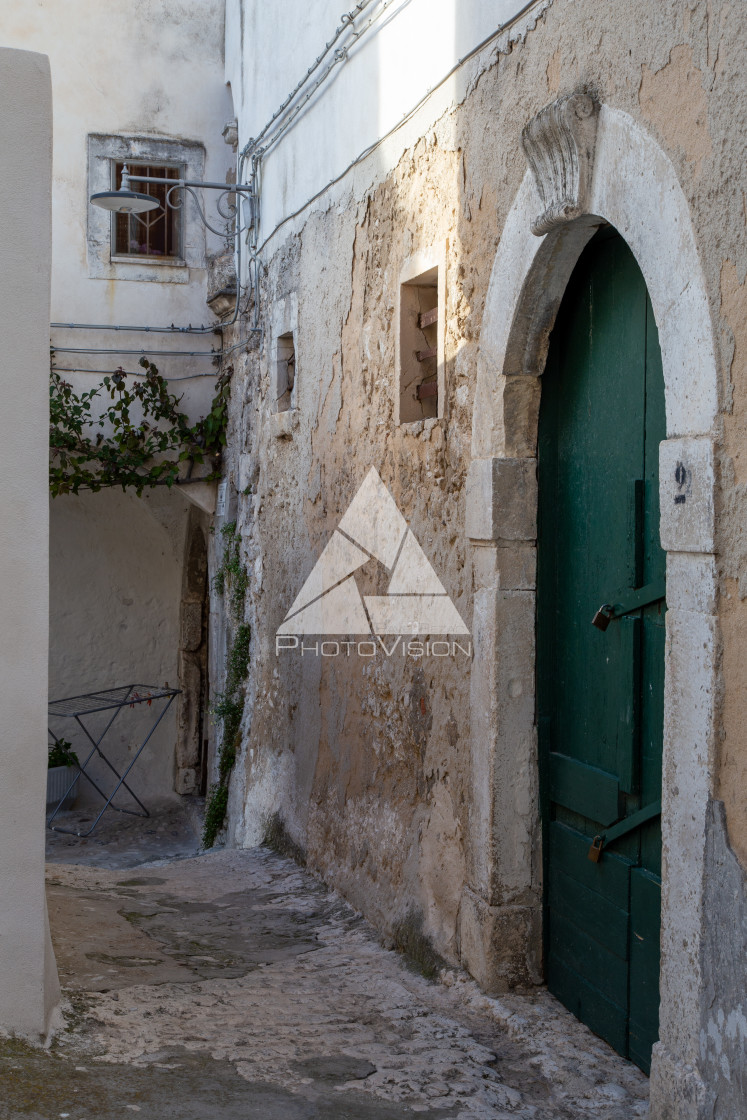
(416, 601)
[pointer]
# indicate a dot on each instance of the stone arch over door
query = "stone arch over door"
(589, 171)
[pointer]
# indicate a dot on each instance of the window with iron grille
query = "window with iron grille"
(156, 233)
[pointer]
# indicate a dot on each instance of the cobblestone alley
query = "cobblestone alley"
(234, 984)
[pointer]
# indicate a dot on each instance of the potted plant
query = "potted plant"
(62, 759)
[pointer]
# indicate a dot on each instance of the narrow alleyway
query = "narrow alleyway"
(234, 984)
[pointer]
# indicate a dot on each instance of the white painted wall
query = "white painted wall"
(28, 976)
(117, 68)
(150, 69)
(127, 631)
(120, 67)
(408, 50)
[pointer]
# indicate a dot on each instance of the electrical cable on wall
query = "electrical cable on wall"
(286, 113)
(131, 373)
(143, 353)
(403, 121)
(346, 21)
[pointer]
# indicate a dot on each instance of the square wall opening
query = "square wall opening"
(285, 371)
(420, 386)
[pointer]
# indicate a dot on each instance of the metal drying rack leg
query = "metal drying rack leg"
(81, 773)
(96, 749)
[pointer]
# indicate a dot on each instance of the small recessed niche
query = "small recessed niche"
(420, 366)
(285, 372)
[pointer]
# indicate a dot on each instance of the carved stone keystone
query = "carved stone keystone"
(559, 145)
(231, 134)
(221, 282)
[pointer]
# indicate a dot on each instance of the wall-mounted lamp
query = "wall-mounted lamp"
(128, 201)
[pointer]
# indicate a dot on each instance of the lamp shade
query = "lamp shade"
(125, 202)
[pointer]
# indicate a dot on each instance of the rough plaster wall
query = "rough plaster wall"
(364, 769)
(386, 815)
(115, 581)
(733, 541)
(723, 1040)
(706, 74)
(383, 76)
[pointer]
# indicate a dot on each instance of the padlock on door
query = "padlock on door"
(603, 617)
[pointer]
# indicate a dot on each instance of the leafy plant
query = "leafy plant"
(229, 710)
(215, 814)
(228, 707)
(237, 662)
(61, 753)
(136, 438)
(232, 572)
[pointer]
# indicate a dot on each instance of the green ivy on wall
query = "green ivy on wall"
(136, 438)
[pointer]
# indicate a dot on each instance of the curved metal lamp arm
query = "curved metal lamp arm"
(227, 210)
(177, 204)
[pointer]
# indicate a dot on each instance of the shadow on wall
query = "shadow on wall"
(116, 565)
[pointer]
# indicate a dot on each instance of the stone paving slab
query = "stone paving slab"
(235, 984)
(172, 831)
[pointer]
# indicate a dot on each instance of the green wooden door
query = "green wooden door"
(600, 692)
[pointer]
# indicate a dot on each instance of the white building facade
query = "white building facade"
(146, 89)
(430, 182)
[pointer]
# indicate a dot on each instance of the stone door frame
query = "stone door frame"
(627, 180)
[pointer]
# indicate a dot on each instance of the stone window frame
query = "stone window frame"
(103, 152)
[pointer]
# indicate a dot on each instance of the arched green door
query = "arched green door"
(601, 687)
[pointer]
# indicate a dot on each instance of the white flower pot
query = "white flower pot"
(58, 779)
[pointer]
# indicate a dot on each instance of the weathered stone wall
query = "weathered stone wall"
(367, 761)
(724, 1039)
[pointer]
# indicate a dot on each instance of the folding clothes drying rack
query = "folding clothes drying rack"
(107, 700)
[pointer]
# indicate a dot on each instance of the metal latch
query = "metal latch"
(628, 601)
(622, 828)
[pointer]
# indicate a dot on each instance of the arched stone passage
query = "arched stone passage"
(191, 753)
(635, 189)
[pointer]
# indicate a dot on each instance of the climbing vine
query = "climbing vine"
(129, 433)
(232, 571)
(132, 434)
(228, 707)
